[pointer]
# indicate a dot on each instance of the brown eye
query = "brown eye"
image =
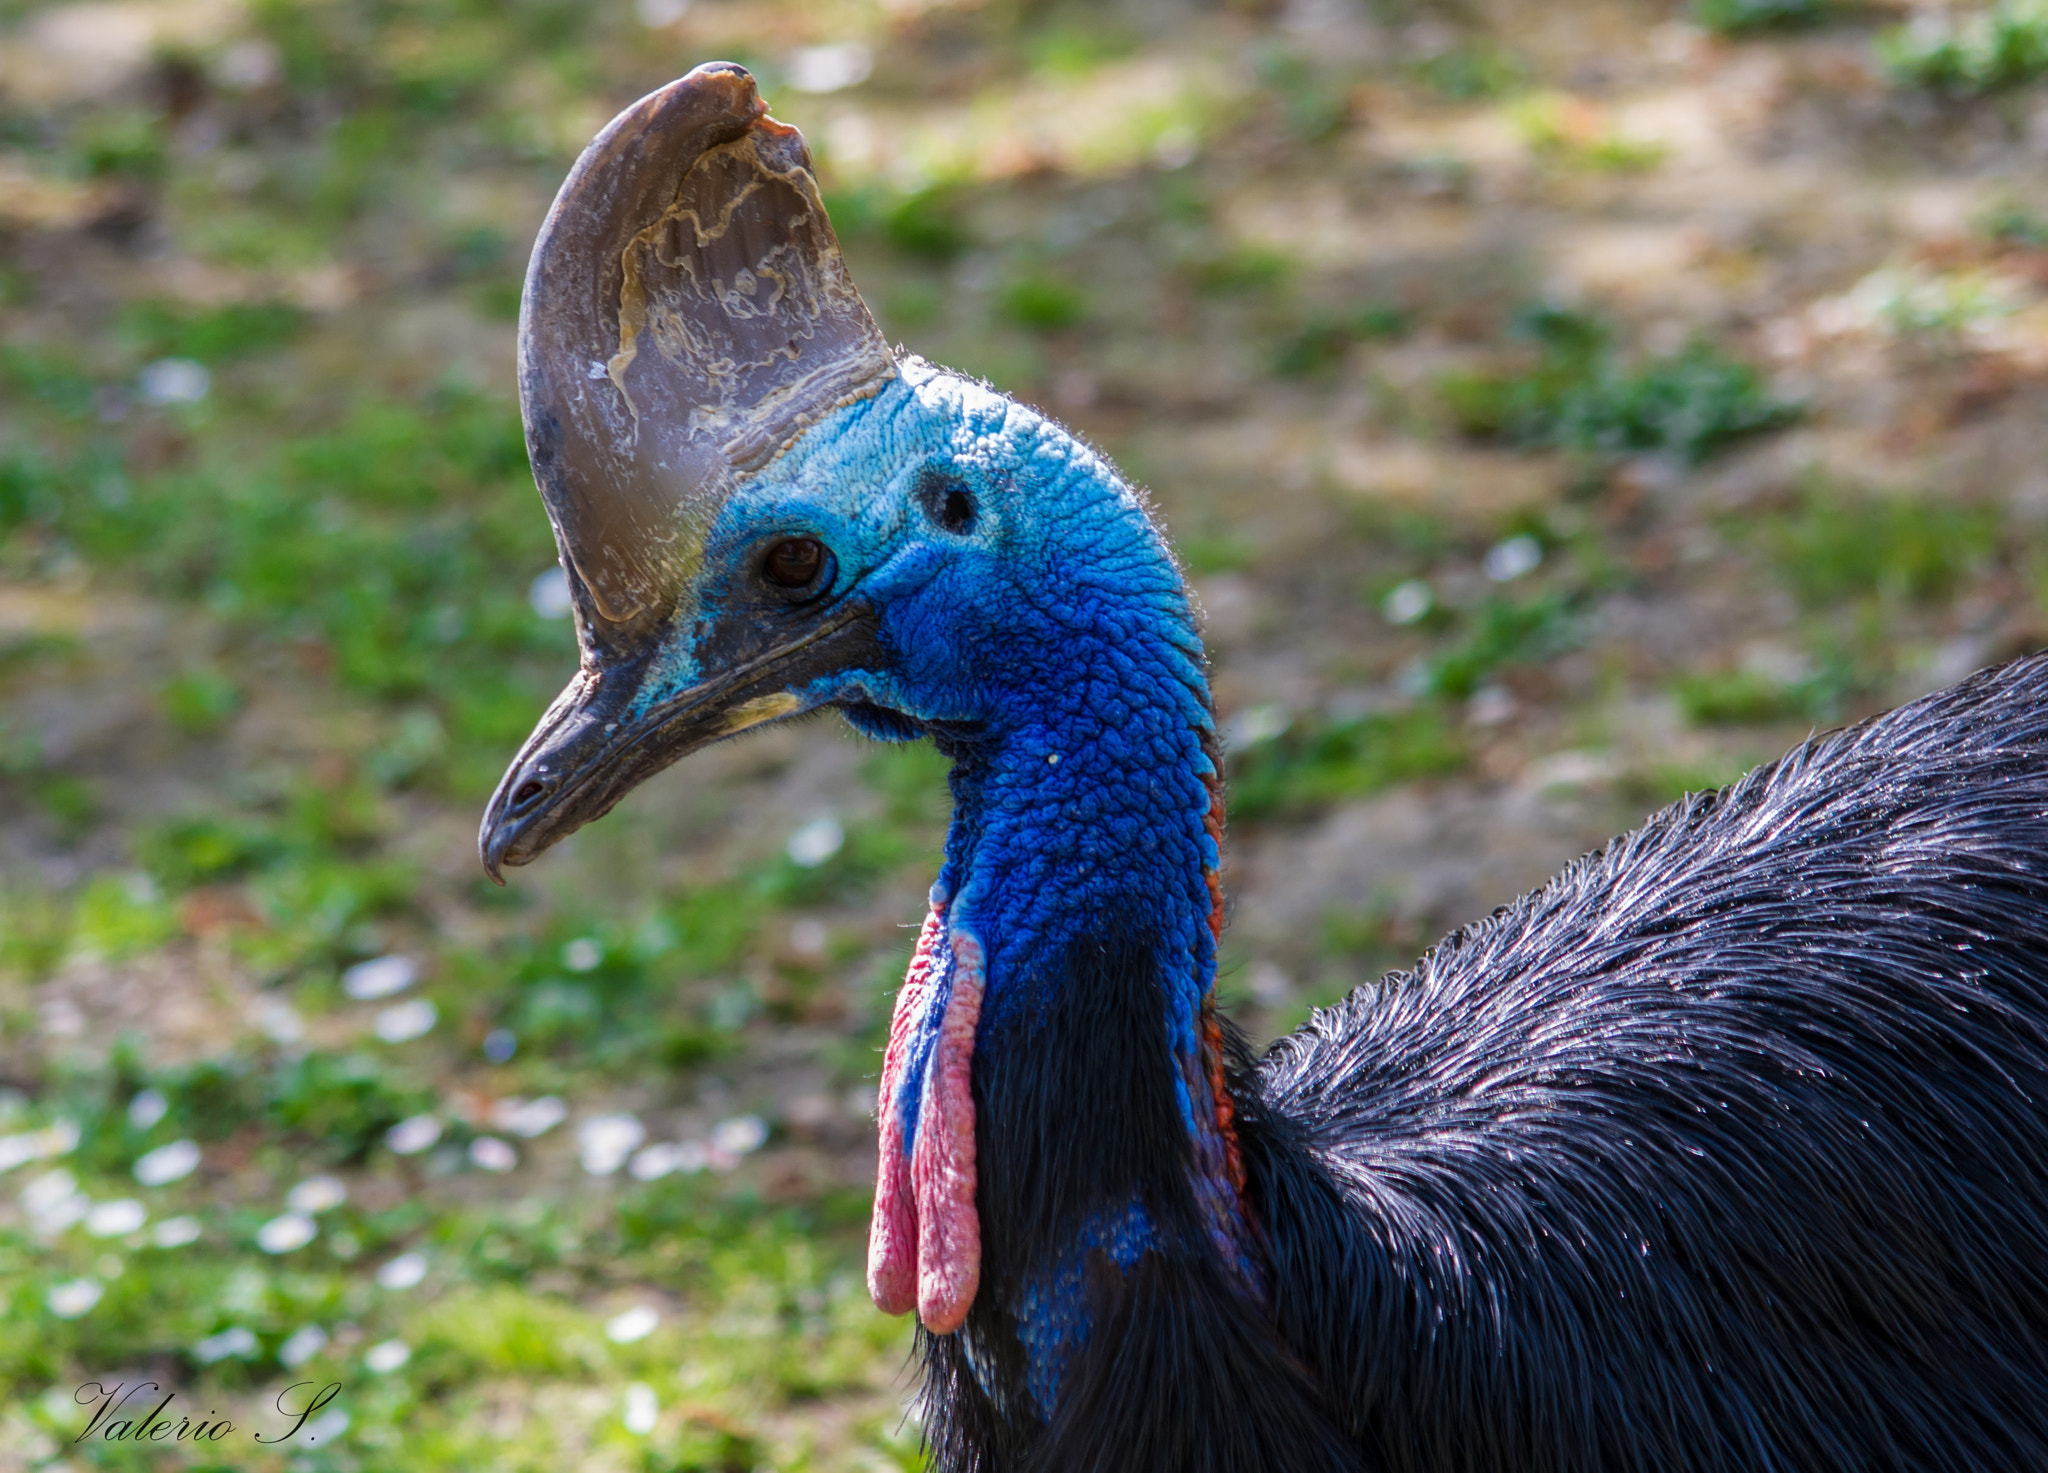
(794, 562)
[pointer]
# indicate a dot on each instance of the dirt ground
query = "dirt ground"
(1472, 607)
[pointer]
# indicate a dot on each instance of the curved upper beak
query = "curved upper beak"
(604, 736)
(687, 315)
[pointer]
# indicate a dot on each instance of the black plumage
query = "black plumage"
(1726, 1149)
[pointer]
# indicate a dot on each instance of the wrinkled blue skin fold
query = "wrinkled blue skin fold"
(1050, 642)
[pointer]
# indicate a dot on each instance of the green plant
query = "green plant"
(1743, 697)
(200, 701)
(1310, 765)
(1470, 72)
(1320, 344)
(2011, 223)
(929, 224)
(211, 334)
(1969, 53)
(1740, 17)
(1504, 631)
(123, 143)
(1836, 545)
(1043, 303)
(1578, 395)
(340, 1105)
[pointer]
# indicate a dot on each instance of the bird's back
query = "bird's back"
(1726, 1149)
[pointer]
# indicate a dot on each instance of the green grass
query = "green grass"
(391, 544)
(1837, 546)
(1750, 698)
(1041, 303)
(1321, 344)
(1969, 52)
(1505, 631)
(1314, 764)
(1471, 72)
(1743, 17)
(1578, 394)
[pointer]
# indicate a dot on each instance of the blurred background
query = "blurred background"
(1558, 406)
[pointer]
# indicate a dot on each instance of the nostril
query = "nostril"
(527, 791)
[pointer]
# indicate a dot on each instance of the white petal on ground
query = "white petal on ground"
(238, 1341)
(548, 595)
(650, 1163)
(493, 1154)
(605, 1141)
(659, 14)
(279, 1022)
(1256, 724)
(173, 381)
(117, 1218)
(1516, 557)
(53, 1201)
(175, 1232)
(740, 1136)
(148, 1107)
(316, 1194)
(413, 1134)
(387, 1356)
(529, 1118)
(286, 1233)
(583, 954)
(380, 977)
(636, 1323)
(829, 68)
(301, 1345)
(38, 1145)
(405, 1021)
(643, 1411)
(816, 842)
(1408, 602)
(73, 1297)
(167, 1164)
(404, 1271)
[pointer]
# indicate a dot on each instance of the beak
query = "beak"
(602, 738)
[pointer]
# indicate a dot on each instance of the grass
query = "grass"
(1042, 303)
(1966, 53)
(1834, 546)
(1310, 765)
(1578, 394)
(1746, 17)
(1743, 697)
(1503, 631)
(1321, 344)
(1572, 133)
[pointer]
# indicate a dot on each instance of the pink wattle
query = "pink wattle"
(924, 1241)
(942, 1161)
(892, 1231)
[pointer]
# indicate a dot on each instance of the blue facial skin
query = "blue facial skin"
(1031, 611)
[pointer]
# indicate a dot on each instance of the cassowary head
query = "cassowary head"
(763, 511)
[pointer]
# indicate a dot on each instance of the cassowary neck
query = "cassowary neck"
(1078, 906)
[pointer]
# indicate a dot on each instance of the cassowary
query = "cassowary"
(1726, 1149)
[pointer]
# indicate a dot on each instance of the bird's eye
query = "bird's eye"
(794, 562)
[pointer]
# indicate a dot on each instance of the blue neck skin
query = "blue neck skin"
(1082, 820)
(1051, 642)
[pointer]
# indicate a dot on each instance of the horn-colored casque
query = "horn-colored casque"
(686, 315)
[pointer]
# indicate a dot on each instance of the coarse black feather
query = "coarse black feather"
(1727, 1149)
(1076, 1118)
